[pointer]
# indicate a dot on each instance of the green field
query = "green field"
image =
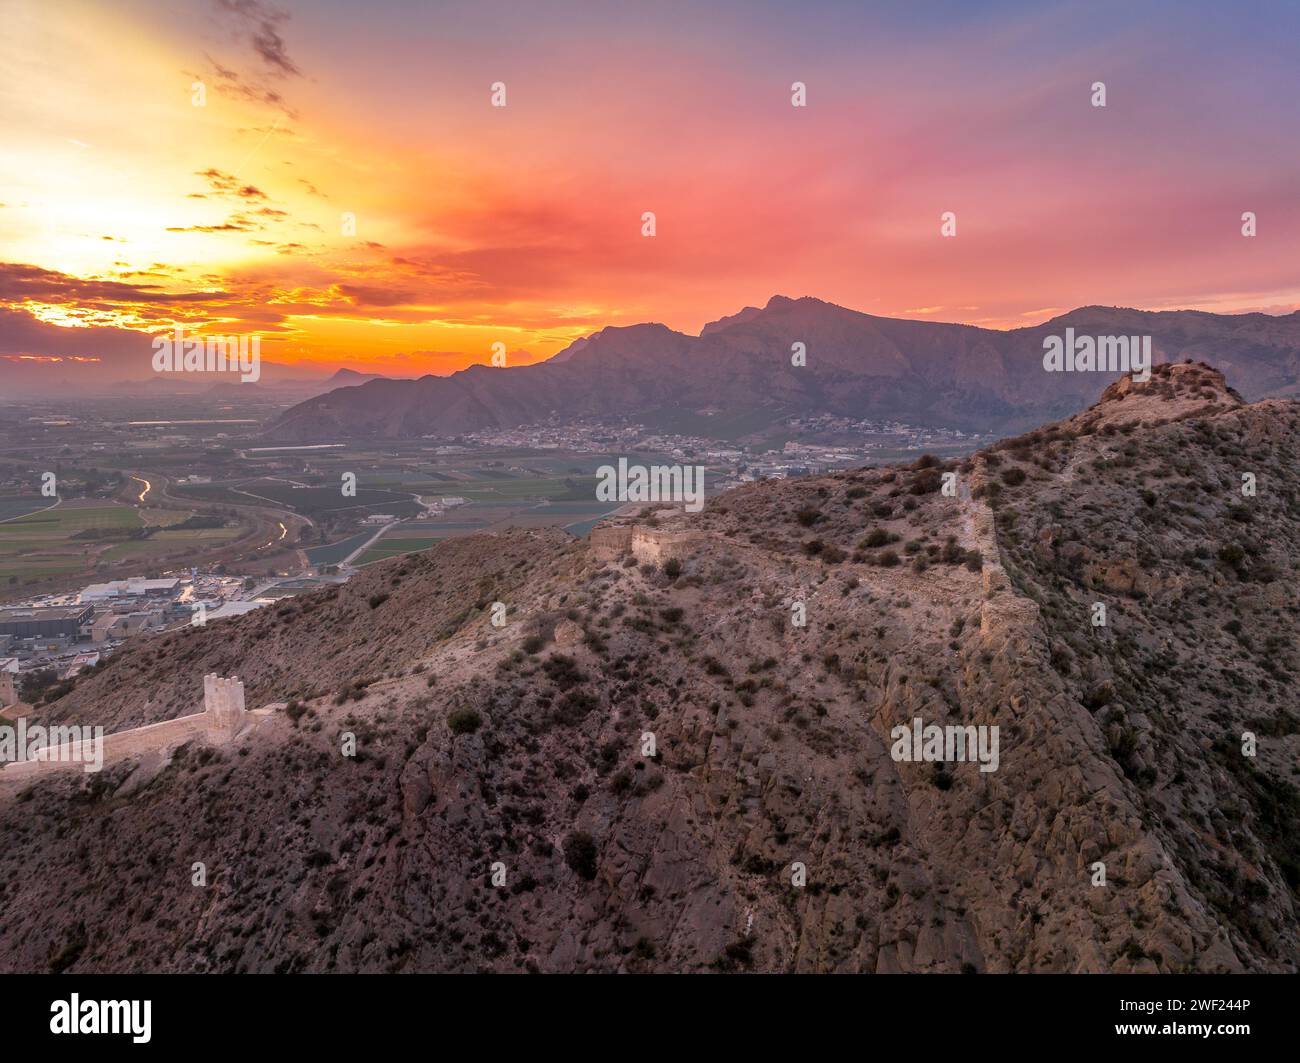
(315, 500)
(574, 488)
(386, 548)
(221, 493)
(587, 505)
(134, 549)
(195, 535)
(439, 529)
(18, 507)
(333, 553)
(44, 544)
(71, 517)
(166, 542)
(36, 566)
(41, 544)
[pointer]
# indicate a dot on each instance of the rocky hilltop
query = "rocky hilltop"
(736, 377)
(654, 766)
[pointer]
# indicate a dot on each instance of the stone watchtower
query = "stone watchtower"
(223, 707)
(8, 695)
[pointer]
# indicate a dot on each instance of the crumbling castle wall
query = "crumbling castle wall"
(643, 542)
(1007, 614)
(223, 716)
(612, 542)
(659, 544)
(1003, 613)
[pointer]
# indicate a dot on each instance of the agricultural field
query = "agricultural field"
(66, 539)
(334, 553)
(503, 488)
(307, 500)
(438, 529)
(578, 517)
(317, 500)
(74, 516)
(165, 543)
(219, 493)
(417, 535)
(11, 508)
(85, 536)
(386, 548)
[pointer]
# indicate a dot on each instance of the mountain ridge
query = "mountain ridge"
(931, 374)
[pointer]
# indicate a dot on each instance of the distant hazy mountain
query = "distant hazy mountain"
(737, 376)
(346, 378)
(53, 379)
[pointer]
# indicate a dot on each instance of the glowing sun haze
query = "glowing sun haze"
(125, 208)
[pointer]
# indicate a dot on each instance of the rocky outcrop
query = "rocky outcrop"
(567, 634)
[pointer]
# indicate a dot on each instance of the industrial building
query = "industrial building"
(45, 621)
(123, 625)
(130, 588)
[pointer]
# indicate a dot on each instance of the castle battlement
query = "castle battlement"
(222, 718)
(223, 706)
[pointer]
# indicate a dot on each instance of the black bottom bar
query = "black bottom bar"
(1150, 1013)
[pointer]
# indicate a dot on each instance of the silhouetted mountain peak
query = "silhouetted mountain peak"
(348, 377)
(856, 366)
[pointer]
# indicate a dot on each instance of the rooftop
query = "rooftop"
(43, 612)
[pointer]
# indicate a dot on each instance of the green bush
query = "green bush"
(563, 671)
(575, 706)
(926, 482)
(464, 721)
(580, 854)
(1232, 554)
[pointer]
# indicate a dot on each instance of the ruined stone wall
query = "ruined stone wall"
(995, 580)
(658, 544)
(612, 542)
(1004, 613)
(135, 742)
(1007, 614)
(223, 716)
(644, 543)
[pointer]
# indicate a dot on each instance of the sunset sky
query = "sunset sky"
(125, 208)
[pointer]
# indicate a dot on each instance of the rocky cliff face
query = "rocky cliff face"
(1174, 506)
(700, 777)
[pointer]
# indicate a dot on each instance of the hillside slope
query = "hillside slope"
(524, 746)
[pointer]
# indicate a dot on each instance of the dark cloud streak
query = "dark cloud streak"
(262, 24)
